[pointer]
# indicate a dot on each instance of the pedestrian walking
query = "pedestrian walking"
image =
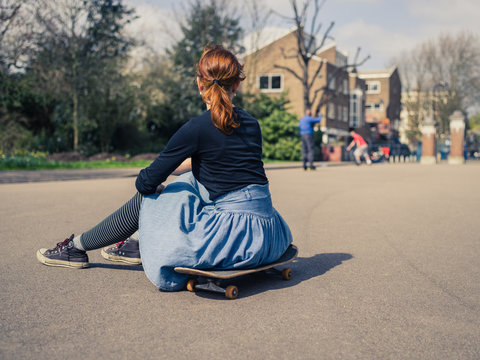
(361, 147)
(305, 125)
(217, 213)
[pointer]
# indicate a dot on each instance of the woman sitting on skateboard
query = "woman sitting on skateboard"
(217, 214)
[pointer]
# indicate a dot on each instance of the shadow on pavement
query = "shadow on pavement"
(116, 266)
(303, 269)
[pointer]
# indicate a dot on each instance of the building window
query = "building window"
(374, 107)
(331, 83)
(270, 82)
(345, 86)
(263, 82)
(345, 113)
(356, 112)
(354, 123)
(373, 87)
(331, 111)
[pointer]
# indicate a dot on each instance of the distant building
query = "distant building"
(382, 101)
(332, 83)
(357, 88)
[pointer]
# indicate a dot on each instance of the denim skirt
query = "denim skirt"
(183, 227)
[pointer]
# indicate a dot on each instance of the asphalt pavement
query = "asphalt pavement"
(388, 268)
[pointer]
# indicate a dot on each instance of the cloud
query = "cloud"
(359, 1)
(374, 40)
(464, 13)
(154, 29)
(444, 17)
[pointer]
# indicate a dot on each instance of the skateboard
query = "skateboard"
(210, 279)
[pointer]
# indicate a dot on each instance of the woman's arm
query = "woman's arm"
(184, 167)
(180, 147)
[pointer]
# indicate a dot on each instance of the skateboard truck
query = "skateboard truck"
(207, 284)
(211, 279)
(231, 291)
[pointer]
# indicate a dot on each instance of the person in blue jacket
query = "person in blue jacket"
(217, 213)
(305, 125)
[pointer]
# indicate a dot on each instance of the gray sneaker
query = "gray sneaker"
(64, 254)
(126, 251)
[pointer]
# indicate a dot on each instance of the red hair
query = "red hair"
(218, 71)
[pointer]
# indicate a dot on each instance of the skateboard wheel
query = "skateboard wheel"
(231, 292)
(287, 274)
(191, 285)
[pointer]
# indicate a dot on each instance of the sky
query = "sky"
(382, 28)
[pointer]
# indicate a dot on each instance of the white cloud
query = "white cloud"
(374, 40)
(155, 29)
(445, 16)
(461, 12)
(359, 1)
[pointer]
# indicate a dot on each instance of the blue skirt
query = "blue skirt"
(183, 227)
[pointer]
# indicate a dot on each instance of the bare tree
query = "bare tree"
(327, 92)
(308, 45)
(258, 15)
(415, 97)
(65, 23)
(448, 59)
(17, 30)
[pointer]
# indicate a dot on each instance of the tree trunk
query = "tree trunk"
(306, 88)
(75, 119)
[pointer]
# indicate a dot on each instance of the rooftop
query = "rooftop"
(384, 73)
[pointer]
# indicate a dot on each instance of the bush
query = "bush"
(280, 136)
(23, 160)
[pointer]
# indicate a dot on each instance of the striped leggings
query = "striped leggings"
(116, 227)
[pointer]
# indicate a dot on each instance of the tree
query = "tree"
(17, 29)
(78, 57)
(279, 126)
(280, 136)
(258, 15)
(261, 105)
(308, 45)
(452, 60)
(65, 83)
(85, 37)
(204, 23)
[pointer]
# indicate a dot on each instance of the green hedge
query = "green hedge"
(37, 161)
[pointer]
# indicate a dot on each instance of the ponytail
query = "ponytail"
(218, 71)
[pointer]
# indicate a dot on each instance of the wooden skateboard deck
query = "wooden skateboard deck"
(205, 279)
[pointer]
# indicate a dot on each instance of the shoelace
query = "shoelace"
(62, 244)
(120, 243)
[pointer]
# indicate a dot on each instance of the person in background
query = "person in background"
(305, 125)
(362, 147)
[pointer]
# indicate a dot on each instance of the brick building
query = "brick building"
(382, 101)
(357, 88)
(332, 83)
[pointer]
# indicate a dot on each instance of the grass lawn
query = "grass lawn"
(35, 162)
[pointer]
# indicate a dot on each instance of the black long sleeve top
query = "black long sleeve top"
(220, 162)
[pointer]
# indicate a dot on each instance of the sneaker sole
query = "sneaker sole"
(126, 260)
(62, 263)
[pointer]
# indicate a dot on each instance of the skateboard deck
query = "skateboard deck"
(209, 279)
